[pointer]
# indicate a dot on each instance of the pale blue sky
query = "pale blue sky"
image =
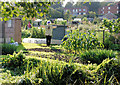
(84, 0)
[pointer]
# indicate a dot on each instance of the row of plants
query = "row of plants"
(112, 38)
(94, 56)
(34, 32)
(53, 72)
(55, 22)
(78, 41)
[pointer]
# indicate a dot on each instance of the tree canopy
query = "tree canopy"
(25, 9)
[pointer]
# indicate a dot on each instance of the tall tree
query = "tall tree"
(67, 15)
(69, 5)
(93, 6)
(25, 9)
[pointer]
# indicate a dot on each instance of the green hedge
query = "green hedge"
(96, 55)
(25, 33)
(37, 33)
(34, 32)
(8, 49)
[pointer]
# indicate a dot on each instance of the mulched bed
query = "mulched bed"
(65, 58)
(45, 50)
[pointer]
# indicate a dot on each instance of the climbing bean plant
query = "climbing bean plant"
(112, 25)
(78, 41)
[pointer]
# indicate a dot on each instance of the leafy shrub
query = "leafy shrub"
(8, 49)
(13, 62)
(115, 47)
(57, 74)
(77, 41)
(109, 71)
(37, 33)
(96, 55)
(25, 34)
(12, 41)
(110, 41)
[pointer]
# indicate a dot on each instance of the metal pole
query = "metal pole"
(103, 36)
(64, 29)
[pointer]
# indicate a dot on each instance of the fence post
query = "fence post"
(103, 36)
(64, 29)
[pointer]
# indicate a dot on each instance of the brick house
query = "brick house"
(110, 9)
(77, 11)
(109, 16)
(11, 28)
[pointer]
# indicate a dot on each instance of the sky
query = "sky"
(64, 3)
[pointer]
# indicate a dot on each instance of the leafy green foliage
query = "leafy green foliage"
(77, 41)
(37, 33)
(8, 49)
(34, 32)
(25, 33)
(112, 41)
(56, 73)
(12, 41)
(53, 72)
(13, 62)
(113, 26)
(108, 71)
(96, 55)
(115, 47)
(27, 10)
(64, 22)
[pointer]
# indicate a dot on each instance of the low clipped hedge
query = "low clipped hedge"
(8, 49)
(96, 55)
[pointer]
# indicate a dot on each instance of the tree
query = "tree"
(91, 14)
(69, 5)
(27, 10)
(78, 5)
(53, 13)
(93, 6)
(56, 5)
(67, 15)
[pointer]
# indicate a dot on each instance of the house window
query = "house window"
(76, 10)
(108, 11)
(84, 13)
(117, 11)
(79, 9)
(108, 7)
(10, 23)
(117, 7)
(83, 9)
(79, 13)
(103, 7)
(73, 10)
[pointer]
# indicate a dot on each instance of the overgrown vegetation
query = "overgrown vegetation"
(34, 32)
(46, 71)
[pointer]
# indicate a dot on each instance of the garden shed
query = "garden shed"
(59, 32)
(10, 29)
